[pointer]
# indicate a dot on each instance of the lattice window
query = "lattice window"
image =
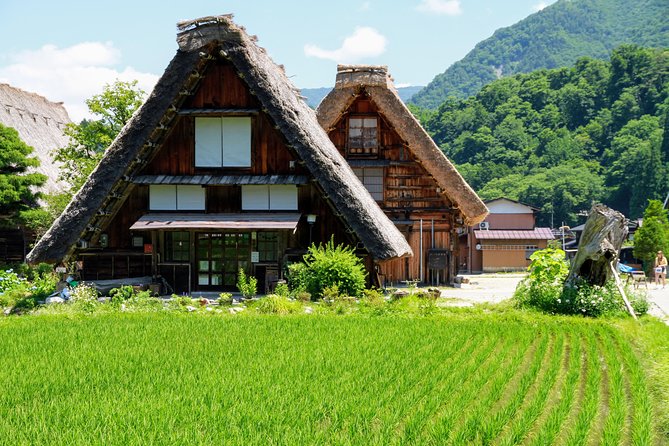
(362, 136)
(372, 179)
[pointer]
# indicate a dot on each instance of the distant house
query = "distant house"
(504, 240)
(405, 172)
(224, 167)
(40, 124)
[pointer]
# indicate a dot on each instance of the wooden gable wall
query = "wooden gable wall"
(221, 88)
(407, 184)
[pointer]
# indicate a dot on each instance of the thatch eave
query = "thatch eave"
(61, 239)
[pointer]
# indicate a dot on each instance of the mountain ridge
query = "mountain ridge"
(553, 37)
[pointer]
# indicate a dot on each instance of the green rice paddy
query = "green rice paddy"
(211, 379)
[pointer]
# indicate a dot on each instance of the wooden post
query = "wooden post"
(619, 284)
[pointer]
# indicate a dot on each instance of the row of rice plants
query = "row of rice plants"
(485, 385)
(535, 402)
(564, 399)
(483, 423)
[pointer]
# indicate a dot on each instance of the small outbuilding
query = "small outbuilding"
(505, 240)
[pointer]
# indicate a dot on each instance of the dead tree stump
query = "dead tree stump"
(603, 235)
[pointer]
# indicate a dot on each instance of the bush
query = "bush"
(247, 285)
(544, 289)
(282, 289)
(225, 299)
(328, 265)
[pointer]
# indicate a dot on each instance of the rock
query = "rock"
(122, 307)
(209, 309)
(54, 300)
(308, 310)
(191, 308)
(8, 311)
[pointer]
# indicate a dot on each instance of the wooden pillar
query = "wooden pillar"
(154, 253)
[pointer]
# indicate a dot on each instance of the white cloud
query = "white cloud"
(71, 74)
(366, 6)
(446, 7)
(539, 6)
(364, 42)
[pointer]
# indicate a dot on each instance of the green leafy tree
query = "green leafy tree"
(653, 235)
(90, 138)
(17, 184)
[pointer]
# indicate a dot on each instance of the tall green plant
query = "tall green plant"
(653, 235)
(329, 265)
(247, 285)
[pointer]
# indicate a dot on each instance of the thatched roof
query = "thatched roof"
(353, 80)
(199, 41)
(40, 124)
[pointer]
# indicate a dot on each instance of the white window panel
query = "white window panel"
(255, 198)
(236, 142)
(162, 197)
(190, 198)
(208, 137)
(372, 179)
(283, 197)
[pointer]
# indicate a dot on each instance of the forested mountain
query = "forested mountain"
(314, 96)
(560, 139)
(553, 37)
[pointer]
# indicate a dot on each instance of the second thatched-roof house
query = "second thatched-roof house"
(40, 124)
(410, 178)
(223, 167)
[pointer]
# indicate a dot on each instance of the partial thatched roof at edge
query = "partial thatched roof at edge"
(375, 81)
(199, 40)
(40, 124)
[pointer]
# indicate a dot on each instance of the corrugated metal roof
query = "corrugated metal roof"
(536, 234)
(215, 221)
(220, 180)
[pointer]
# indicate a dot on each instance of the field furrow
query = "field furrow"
(536, 398)
(562, 401)
(483, 423)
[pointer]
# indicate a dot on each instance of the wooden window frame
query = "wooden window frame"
(372, 151)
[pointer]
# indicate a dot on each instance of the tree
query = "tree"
(653, 235)
(17, 184)
(90, 138)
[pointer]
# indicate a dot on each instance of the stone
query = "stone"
(54, 300)
(191, 308)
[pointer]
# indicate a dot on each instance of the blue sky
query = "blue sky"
(68, 50)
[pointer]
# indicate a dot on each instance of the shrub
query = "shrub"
(225, 299)
(121, 294)
(247, 285)
(275, 304)
(328, 265)
(544, 289)
(282, 289)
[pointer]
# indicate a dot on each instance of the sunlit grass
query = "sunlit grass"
(179, 378)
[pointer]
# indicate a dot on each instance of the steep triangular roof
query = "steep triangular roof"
(40, 124)
(352, 80)
(200, 41)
